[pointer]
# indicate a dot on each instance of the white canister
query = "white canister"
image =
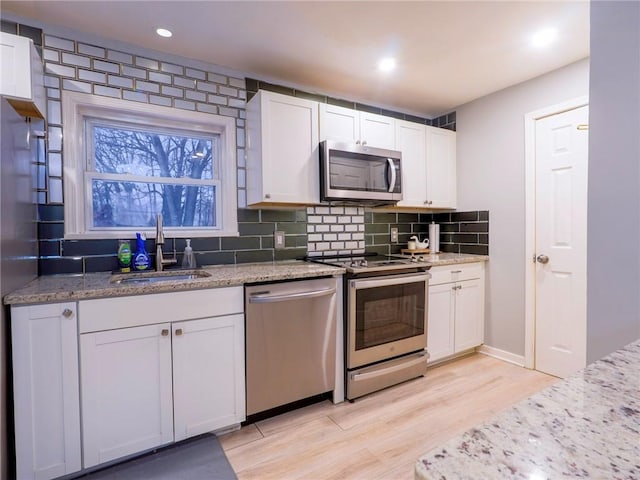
(434, 237)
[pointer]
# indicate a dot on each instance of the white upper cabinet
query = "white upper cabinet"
(411, 141)
(441, 168)
(282, 150)
(352, 126)
(21, 75)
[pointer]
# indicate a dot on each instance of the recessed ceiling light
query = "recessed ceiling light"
(163, 32)
(544, 37)
(387, 64)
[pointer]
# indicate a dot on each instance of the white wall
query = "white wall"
(613, 289)
(491, 176)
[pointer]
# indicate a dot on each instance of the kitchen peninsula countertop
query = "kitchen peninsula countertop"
(60, 288)
(586, 426)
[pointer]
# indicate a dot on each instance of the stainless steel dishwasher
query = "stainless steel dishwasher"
(290, 341)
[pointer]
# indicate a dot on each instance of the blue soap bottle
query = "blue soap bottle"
(141, 259)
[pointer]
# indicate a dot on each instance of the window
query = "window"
(127, 162)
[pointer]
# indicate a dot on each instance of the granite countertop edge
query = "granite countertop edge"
(72, 287)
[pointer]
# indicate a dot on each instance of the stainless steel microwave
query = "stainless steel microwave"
(354, 173)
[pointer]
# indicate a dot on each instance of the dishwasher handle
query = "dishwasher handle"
(267, 298)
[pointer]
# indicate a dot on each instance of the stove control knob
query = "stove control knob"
(414, 259)
(354, 263)
(363, 263)
(421, 259)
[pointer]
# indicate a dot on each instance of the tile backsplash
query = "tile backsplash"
(318, 230)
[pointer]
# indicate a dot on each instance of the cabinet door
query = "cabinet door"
(377, 130)
(208, 369)
(469, 315)
(289, 159)
(126, 391)
(45, 382)
(441, 167)
(411, 141)
(339, 124)
(440, 321)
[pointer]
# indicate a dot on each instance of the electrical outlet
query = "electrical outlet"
(394, 235)
(278, 239)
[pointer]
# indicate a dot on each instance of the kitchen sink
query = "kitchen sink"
(157, 277)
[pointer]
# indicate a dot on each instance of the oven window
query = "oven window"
(389, 313)
(354, 171)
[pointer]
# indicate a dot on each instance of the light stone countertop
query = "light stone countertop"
(61, 288)
(586, 426)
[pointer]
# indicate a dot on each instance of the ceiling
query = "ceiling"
(448, 52)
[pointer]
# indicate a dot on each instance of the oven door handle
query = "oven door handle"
(358, 377)
(266, 298)
(392, 181)
(390, 280)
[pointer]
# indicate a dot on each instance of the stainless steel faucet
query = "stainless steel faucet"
(160, 260)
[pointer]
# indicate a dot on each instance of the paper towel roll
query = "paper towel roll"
(434, 237)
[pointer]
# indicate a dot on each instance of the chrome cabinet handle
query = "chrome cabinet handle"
(164, 332)
(178, 332)
(456, 271)
(67, 313)
(267, 298)
(543, 259)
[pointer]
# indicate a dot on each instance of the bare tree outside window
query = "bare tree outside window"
(139, 174)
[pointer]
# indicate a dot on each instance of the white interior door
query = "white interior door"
(561, 154)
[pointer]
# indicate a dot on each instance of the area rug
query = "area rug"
(199, 459)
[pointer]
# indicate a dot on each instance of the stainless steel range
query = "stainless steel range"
(385, 313)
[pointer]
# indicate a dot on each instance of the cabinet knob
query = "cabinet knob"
(67, 313)
(267, 195)
(543, 259)
(164, 332)
(357, 142)
(178, 332)
(364, 142)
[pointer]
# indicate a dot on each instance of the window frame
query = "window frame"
(78, 107)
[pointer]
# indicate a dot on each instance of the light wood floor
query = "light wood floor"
(380, 436)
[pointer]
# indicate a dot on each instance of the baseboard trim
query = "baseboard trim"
(501, 355)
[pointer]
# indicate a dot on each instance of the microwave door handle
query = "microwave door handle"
(392, 182)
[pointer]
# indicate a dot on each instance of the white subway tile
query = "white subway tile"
(337, 210)
(184, 105)
(60, 70)
(228, 91)
(91, 76)
(54, 137)
(240, 137)
(314, 237)
(322, 228)
(51, 82)
(322, 210)
(351, 211)
(358, 219)
(76, 86)
(173, 91)
(91, 50)
(170, 68)
(134, 96)
(206, 108)
(228, 112)
(351, 245)
(314, 219)
(337, 245)
(158, 100)
(132, 72)
(240, 122)
(242, 94)
(197, 96)
(207, 87)
(337, 228)
(214, 77)
(344, 219)
(119, 57)
(358, 236)
(351, 228)
(106, 91)
(323, 246)
(311, 247)
(193, 73)
(344, 236)
(51, 55)
(329, 219)
(184, 82)
(55, 190)
(146, 63)
(330, 236)
(311, 210)
(242, 198)
(54, 116)
(115, 68)
(59, 43)
(237, 103)
(53, 93)
(311, 228)
(240, 157)
(54, 162)
(361, 227)
(147, 87)
(159, 77)
(237, 82)
(217, 99)
(116, 81)
(242, 183)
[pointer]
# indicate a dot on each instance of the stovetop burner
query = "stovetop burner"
(368, 262)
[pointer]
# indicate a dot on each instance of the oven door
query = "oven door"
(387, 317)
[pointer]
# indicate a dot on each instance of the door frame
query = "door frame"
(530, 217)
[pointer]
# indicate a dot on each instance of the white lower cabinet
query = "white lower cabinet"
(208, 374)
(150, 385)
(126, 392)
(45, 382)
(456, 309)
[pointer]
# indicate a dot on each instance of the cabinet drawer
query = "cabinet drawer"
(455, 273)
(121, 312)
